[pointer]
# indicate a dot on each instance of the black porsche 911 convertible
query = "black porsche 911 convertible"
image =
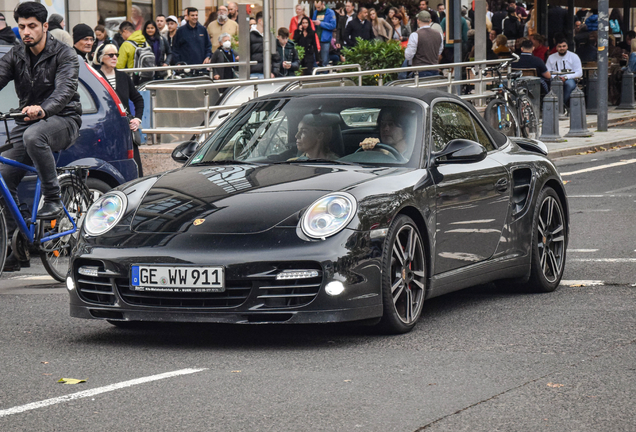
(326, 205)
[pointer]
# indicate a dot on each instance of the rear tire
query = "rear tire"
(403, 277)
(3, 240)
(55, 254)
(549, 243)
(528, 121)
(499, 115)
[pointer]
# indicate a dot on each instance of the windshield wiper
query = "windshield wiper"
(224, 162)
(317, 160)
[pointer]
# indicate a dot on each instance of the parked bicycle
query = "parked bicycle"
(53, 240)
(511, 111)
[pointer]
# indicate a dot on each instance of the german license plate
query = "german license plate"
(181, 279)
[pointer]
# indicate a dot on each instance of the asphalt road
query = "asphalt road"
(482, 359)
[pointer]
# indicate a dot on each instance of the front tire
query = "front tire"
(403, 277)
(55, 254)
(549, 243)
(499, 115)
(3, 240)
(97, 187)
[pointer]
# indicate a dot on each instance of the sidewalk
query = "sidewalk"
(156, 158)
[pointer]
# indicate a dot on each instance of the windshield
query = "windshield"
(352, 130)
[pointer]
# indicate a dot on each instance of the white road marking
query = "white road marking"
(573, 283)
(95, 391)
(600, 167)
(606, 260)
(583, 250)
(27, 277)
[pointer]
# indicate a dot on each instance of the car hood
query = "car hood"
(238, 199)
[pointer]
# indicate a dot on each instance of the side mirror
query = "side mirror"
(183, 151)
(460, 151)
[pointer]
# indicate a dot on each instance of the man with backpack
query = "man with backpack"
(135, 52)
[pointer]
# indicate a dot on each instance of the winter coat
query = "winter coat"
(256, 54)
(222, 56)
(53, 82)
(289, 54)
(592, 23)
(357, 29)
(61, 35)
(191, 45)
(7, 37)
(512, 27)
(126, 91)
(127, 50)
(382, 30)
(328, 25)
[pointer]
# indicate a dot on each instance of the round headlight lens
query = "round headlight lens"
(105, 213)
(329, 215)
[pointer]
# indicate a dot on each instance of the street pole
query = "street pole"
(457, 42)
(601, 60)
(267, 46)
(244, 42)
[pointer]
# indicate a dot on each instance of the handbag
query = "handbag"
(136, 135)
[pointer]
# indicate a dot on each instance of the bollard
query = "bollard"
(578, 119)
(557, 87)
(592, 93)
(550, 128)
(627, 91)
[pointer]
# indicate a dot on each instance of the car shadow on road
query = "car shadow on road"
(275, 336)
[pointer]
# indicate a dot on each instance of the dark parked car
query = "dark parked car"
(105, 142)
(325, 205)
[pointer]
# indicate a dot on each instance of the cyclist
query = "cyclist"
(45, 72)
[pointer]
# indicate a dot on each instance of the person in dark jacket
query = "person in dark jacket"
(557, 23)
(45, 73)
(192, 44)
(512, 26)
(256, 51)
(498, 16)
(105, 62)
(160, 47)
(286, 50)
(7, 37)
(83, 39)
(359, 27)
(224, 54)
(305, 37)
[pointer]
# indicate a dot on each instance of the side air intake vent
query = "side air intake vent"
(521, 180)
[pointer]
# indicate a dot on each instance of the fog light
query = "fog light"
(70, 285)
(89, 271)
(334, 288)
(297, 274)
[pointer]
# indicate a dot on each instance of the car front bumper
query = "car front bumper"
(251, 263)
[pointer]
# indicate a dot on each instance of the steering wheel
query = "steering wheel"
(393, 152)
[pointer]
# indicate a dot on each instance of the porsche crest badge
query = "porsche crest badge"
(198, 222)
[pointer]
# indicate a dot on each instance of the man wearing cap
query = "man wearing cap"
(83, 39)
(425, 45)
(56, 29)
(172, 22)
(45, 75)
(7, 37)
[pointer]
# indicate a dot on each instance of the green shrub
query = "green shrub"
(375, 54)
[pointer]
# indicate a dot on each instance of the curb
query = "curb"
(627, 142)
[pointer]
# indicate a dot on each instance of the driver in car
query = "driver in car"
(313, 138)
(394, 126)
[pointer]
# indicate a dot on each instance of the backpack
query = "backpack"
(615, 26)
(144, 58)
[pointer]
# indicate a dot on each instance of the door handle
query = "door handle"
(502, 185)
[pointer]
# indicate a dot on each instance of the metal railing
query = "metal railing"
(187, 66)
(332, 68)
(479, 80)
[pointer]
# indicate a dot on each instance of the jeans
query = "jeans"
(568, 87)
(405, 75)
(34, 144)
(257, 75)
(324, 52)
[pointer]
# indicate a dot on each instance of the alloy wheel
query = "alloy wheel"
(551, 238)
(407, 274)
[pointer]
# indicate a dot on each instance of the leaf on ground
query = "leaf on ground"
(347, 380)
(44, 362)
(566, 181)
(555, 385)
(236, 371)
(71, 381)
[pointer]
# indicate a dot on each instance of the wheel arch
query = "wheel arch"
(105, 177)
(557, 185)
(419, 220)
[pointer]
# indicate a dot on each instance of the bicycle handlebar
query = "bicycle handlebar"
(12, 115)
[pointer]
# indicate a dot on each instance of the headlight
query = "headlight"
(105, 213)
(329, 215)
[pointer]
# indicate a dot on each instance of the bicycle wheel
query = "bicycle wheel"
(3, 240)
(55, 254)
(501, 118)
(528, 121)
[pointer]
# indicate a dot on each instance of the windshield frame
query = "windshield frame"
(416, 158)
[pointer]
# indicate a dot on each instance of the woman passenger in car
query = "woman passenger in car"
(105, 60)
(394, 131)
(313, 138)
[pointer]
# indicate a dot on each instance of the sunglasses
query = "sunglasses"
(111, 55)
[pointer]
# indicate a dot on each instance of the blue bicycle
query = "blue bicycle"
(54, 240)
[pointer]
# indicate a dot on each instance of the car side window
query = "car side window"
(450, 121)
(482, 137)
(86, 100)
